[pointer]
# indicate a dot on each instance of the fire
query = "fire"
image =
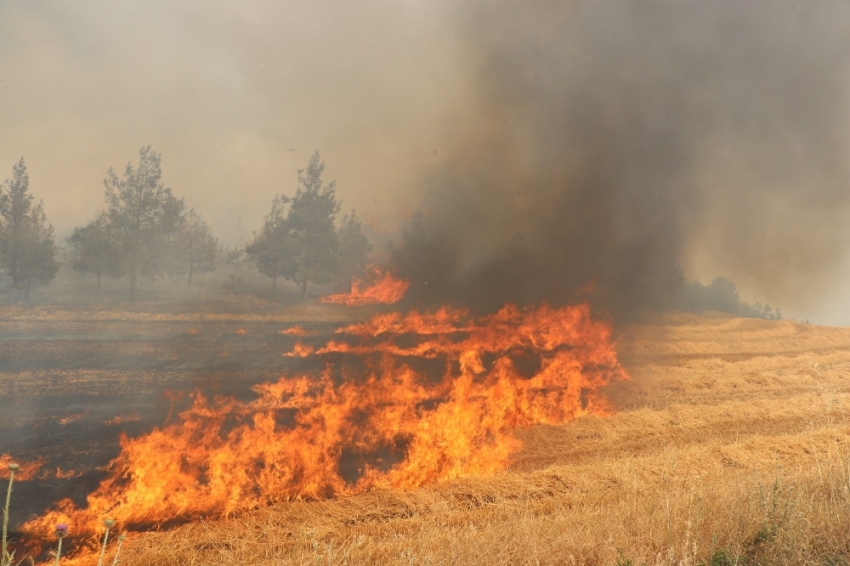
(375, 419)
(35, 470)
(72, 418)
(294, 331)
(385, 290)
(121, 419)
(27, 470)
(67, 474)
(300, 350)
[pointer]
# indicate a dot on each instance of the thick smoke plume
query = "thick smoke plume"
(556, 143)
(622, 144)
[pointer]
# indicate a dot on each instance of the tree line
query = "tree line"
(722, 295)
(144, 232)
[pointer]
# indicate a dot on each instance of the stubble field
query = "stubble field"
(729, 445)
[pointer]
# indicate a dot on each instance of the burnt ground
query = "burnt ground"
(73, 381)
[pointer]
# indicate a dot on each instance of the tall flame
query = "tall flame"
(384, 290)
(377, 421)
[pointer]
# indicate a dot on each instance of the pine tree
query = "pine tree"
(303, 245)
(311, 219)
(273, 250)
(144, 218)
(354, 248)
(93, 249)
(27, 249)
(427, 259)
(197, 249)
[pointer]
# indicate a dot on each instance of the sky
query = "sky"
(236, 96)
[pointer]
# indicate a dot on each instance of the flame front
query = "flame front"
(384, 290)
(377, 422)
(27, 470)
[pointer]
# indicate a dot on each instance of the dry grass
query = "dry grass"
(730, 446)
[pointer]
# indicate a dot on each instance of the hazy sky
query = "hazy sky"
(236, 95)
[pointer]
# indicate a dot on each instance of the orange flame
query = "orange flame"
(380, 422)
(300, 350)
(294, 331)
(72, 418)
(66, 474)
(121, 419)
(386, 290)
(27, 470)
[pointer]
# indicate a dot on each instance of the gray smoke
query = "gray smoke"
(550, 144)
(623, 144)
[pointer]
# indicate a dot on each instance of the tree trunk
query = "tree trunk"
(304, 290)
(133, 284)
(191, 264)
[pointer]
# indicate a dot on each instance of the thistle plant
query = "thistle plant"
(109, 524)
(5, 557)
(121, 538)
(61, 531)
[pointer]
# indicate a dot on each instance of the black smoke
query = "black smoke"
(614, 142)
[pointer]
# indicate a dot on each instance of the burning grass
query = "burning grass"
(377, 288)
(729, 445)
(376, 423)
(639, 509)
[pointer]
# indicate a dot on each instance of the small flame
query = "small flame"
(294, 331)
(386, 290)
(300, 350)
(121, 419)
(67, 474)
(72, 418)
(27, 470)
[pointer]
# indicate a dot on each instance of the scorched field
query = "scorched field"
(723, 441)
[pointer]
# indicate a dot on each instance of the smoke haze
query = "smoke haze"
(235, 96)
(550, 144)
(624, 141)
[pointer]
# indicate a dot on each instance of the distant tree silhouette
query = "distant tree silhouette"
(273, 249)
(93, 249)
(27, 249)
(426, 259)
(197, 250)
(302, 245)
(144, 218)
(354, 248)
(722, 295)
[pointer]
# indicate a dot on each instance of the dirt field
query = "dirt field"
(729, 446)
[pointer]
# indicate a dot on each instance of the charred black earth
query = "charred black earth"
(71, 384)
